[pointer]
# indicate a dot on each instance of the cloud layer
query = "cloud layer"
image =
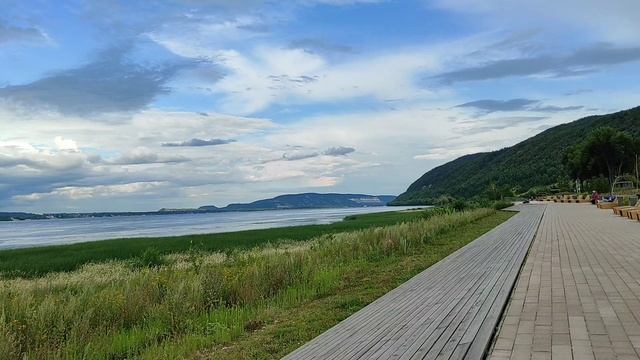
(489, 106)
(578, 62)
(111, 105)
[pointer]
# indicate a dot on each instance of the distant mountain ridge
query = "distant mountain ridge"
(310, 201)
(536, 161)
(9, 216)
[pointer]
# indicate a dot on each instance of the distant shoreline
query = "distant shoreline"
(25, 234)
(283, 202)
(55, 216)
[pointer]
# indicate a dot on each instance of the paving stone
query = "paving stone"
(583, 275)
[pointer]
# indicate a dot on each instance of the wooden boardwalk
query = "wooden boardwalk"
(449, 311)
(578, 296)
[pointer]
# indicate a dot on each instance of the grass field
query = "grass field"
(250, 304)
(38, 261)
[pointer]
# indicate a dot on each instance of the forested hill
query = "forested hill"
(533, 162)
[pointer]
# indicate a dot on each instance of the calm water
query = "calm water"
(29, 233)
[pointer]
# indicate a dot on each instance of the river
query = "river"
(31, 233)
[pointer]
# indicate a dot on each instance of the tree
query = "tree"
(493, 192)
(606, 150)
(576, 162)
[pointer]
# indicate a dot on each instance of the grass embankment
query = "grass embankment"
(33, 262)
(260, 303)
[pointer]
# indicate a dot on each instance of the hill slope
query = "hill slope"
(535, 161)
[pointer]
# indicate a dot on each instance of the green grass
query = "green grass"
(258, 303)
(32, 262)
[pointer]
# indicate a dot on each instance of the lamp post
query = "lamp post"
(637, 178)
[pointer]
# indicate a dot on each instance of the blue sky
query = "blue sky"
(138, 105)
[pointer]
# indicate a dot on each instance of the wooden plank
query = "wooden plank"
(417, 320)
(424, 289)
(431, 314)
(476, 335)
(360, 320)
(438, 323)
(356, 327)
(426, 350)
(477, 339)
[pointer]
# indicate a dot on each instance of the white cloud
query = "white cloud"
(65, 144)
(305, 169)
(124, 149)
(270, 73)
(324, 181)
(23, 157)
(615, 21)
(273, 74)
(86, 192)
(442, 153)
(126, 160)
(118, 132)
(129, 151)
(204, 37)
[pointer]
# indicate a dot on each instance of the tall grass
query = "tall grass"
(121, 310)
(39, 261)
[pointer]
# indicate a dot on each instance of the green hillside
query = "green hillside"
(533, 162)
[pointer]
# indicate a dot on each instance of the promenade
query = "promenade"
(448, 311)
(556, 281)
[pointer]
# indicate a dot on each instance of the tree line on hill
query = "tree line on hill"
(553, 161)
(606, 157)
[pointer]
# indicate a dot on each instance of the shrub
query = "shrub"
(499, 205)
(435, 211)
(599, 184)
(444, 200)
(151, 257)
(459, 205)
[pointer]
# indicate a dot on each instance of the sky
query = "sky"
(110, 105)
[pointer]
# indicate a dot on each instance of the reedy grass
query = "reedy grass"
(39, 261)
(191, 301)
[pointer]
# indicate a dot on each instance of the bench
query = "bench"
(625, 212)
(619, 209)
(634, 214)
(607, 205)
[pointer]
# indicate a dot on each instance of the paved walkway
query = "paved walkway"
(448, 311)
(578, 296)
